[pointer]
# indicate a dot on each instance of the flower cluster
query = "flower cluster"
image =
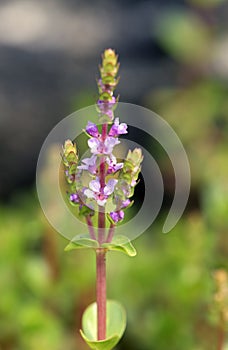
(127, 181)
(101, 183)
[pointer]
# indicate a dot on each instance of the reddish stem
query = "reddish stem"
(104, 131)
(101, 293)
(90, 227)
(101, 255)
(101, 226)
(110, 233)
(101, 215)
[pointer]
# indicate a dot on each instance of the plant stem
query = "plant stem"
(101, 254)
(90, 227)
(101, 226)
(101, 293)
(110, 233)
(101, 215)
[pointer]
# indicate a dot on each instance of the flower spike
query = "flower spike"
(101, 183)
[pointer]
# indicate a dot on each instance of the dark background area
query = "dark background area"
(50, 51)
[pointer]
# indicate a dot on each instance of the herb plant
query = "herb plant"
(101, 189)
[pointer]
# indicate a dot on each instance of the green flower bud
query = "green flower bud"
(70, 156)
(135, 157)
(130, 171)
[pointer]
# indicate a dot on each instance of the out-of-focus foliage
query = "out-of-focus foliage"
(188, 39)
(40, 294)
(206, 3)
(167, 288)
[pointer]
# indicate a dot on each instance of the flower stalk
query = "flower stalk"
(101, 293)
(105, 106)
(111, 183)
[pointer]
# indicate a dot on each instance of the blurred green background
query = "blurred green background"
(168, 288)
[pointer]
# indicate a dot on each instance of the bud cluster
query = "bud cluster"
(107, 84)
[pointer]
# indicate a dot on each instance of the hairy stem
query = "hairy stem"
(101, 293)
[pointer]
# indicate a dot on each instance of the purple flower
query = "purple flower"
(109, 188)
(74, 198)
(113, 166)
(92, 129)
(117, 216)
(89, 164)
(125, 203)
(99, 147)
(94, 191)
(109, 144)
(118, 128)
(95, 145)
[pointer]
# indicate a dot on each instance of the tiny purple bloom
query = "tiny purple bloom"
(109, 144)
(121, 214)
(94, 145)
(98, 147)
(89, 164)
(109, 188)
(95, 185)
(125, 203)
(94, 191)
(113, 166)
(117, 215)
(118, 128)
(74, 198)
(92, 129)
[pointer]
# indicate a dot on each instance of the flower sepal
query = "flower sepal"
(69, 153)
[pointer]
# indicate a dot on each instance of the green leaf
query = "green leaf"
(122, 244)
(81, 242)
(115, 326)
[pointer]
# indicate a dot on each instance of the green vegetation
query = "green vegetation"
(168, 288)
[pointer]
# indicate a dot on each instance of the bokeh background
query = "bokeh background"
(174, 60)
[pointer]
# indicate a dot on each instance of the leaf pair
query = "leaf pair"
(115, 326)
(119, 243)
